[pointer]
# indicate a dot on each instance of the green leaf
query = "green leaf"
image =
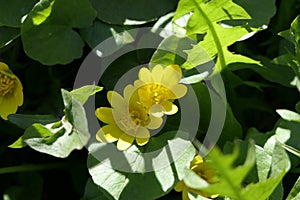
(287, 134)
(231, 178)
(295, 191)
(269, 71)
(82, 94)
(214, 11)
(288, 115)
(172, 51)
(59, 139)
(298, 107)
(124, 185)
(227, 37)
(295, 30)
(7, 35)
(11, 12)
(46, 134)
(101, 31)
(94, 192)
(24, 121)
(286, 34)
(128, 12)
(47, 32)
(260, 15)
(232, 129)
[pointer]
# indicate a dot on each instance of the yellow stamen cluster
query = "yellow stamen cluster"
(6, 84)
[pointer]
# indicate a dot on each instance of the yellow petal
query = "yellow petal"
(3, 67)
(157, 72)
(157, 110)
(116, 100)
(185, 195)
(142, 136)
(18, 93)
(100, 136)
(138, 83)
(124, 142)
(155, 122)
(9, 105)
(171, 75)
(176, 68)
(109, 133)
(179, 90)
(179, 186)
(105, 115)
(145, 75)
(170, 108)
(128, 92)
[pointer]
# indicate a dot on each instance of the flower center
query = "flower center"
(157, 93)
(137, 117)
(6, 84)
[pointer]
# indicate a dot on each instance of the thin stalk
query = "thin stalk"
(221, 56)
(31, 167)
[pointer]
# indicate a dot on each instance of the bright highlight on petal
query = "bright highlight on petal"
(11, 92)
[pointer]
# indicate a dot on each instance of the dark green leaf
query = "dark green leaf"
(260, 15)
(7, 35)
(11, 12)
(129, 12)
(24, 121)
(47, 33)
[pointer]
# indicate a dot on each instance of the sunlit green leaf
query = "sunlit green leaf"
(82, 94)
(295, 192)
(288, 115)
(214, 11)
(124, 185)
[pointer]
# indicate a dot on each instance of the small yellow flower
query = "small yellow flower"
(11, 92)
(126, 120)
(202, 170)
(158, 88)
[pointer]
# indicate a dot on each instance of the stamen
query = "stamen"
(6, 84)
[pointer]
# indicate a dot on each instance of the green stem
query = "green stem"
(31, 167)
(221, 56)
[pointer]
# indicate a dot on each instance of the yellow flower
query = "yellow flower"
(158, 88)
(11, 92)
(202, 170)
(127, 120)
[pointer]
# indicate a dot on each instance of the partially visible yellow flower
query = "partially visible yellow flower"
(158, 88)
(205, 172)
(126, 121)
(11, 92)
